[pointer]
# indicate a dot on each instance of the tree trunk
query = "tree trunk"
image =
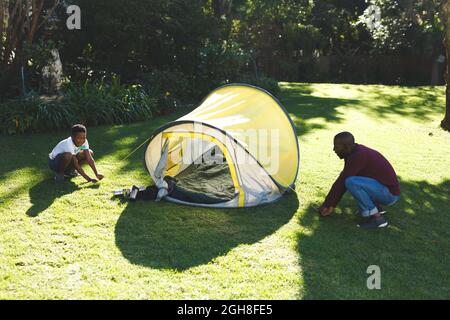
(445, 123)
(20, 21)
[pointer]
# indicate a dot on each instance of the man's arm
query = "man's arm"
(336, 192)
(353, 166)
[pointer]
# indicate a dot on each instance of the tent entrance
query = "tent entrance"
(201, 169)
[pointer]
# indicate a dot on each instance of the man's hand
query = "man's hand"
(325, 211)
(100, 176)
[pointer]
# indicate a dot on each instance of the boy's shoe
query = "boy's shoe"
(59, 177)
(373, 223)
(71, 174)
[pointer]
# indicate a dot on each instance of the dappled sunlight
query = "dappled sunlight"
(331, 103)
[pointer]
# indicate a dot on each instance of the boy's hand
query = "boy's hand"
(100, 176)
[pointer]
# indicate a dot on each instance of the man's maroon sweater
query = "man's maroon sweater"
(364, 162)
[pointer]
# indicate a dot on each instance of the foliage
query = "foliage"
(212, 41)
(218, 63)
(35, 114)
(179, 50)
(167, 83)
(407, 25)
(262, 81)
(90, 103)
(21, 22)
(104, 102)
(38, 56)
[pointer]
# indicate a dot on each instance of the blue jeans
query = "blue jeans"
(368, 192)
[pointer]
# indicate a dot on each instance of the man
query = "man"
(69, 154)
(368, 176)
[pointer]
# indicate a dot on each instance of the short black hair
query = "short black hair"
(345, 135)
(77, 128)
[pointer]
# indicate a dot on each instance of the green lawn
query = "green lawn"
(74, 241)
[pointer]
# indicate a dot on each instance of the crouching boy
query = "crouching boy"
(69, 154)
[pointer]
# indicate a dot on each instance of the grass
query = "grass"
(74, 241)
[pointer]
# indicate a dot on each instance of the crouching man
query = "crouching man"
(368, 176)
(69, 154)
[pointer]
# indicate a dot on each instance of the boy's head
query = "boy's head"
(79, 134)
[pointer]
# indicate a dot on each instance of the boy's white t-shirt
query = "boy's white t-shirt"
(67, 145)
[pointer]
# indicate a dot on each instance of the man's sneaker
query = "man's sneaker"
(59, 177)
(380, 209)
(373, 223)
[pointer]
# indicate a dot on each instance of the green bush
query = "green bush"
(263, 82)
(169, 87)
(104, 102)
(218, 63)
(34, 114)
(90, 103)
(17, 115)
(164, 83)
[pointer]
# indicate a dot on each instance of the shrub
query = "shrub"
(169, 87)
(17, 115)
(90, 103)
(34, 114)
(262, 82)
(104, 102)
(159, 83)
(218, 63)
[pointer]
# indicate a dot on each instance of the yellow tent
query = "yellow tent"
(239, 148)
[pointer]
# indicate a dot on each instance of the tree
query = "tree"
(20, 20)
(445, 123)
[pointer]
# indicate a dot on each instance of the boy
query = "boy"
(69, 154)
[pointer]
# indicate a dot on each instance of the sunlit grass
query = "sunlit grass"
(75, 241)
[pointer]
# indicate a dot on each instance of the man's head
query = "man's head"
(344, 142)
(79, 133)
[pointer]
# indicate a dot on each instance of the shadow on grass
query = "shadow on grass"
(45, 192)
(305, 107)
(170, 236)
(413, 252)
(417, 103)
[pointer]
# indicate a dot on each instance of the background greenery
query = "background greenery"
(135, 59)
(202, 43)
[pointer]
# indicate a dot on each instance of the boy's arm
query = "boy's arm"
(90, 160)
(77, 167)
